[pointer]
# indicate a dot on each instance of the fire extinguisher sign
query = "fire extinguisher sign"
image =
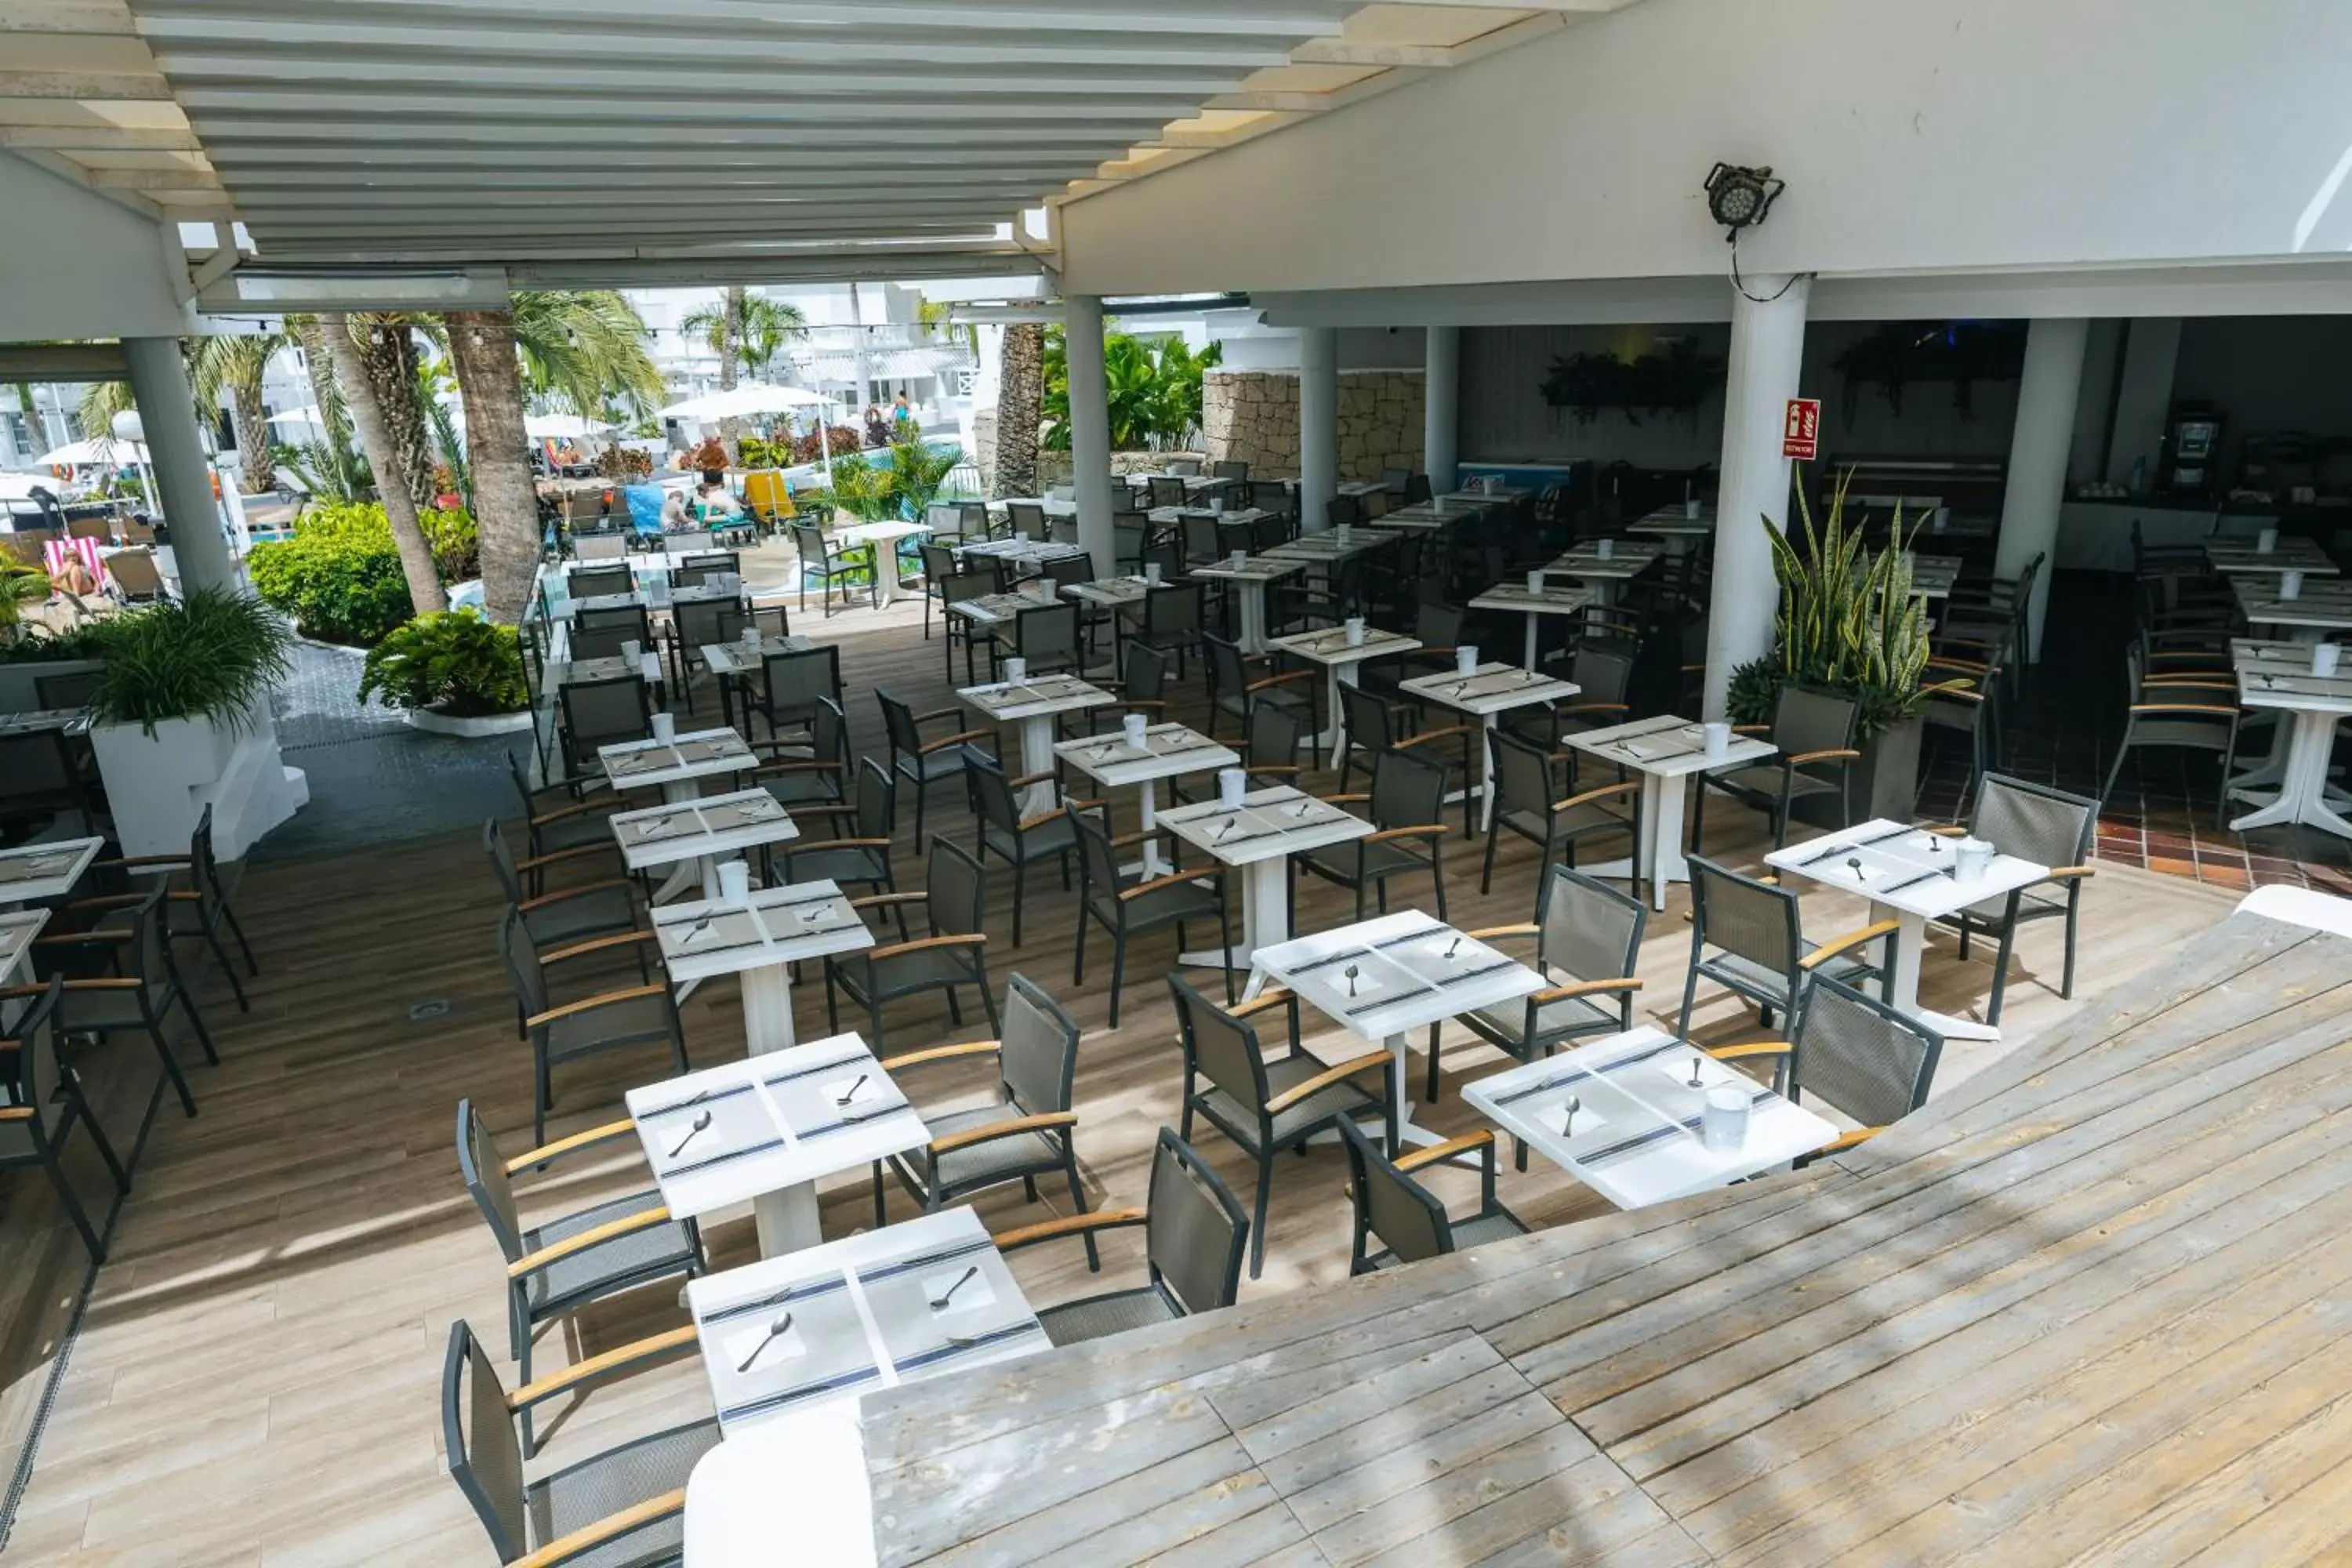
(1801, 437)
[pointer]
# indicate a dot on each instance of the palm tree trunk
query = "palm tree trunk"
(506, 506)
(369, 418)
(730, 348)
(387, 353)
(252, 438)
(1019, 404)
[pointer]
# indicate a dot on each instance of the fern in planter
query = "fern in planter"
(212, 656)
(1843, 624)
(455, 663)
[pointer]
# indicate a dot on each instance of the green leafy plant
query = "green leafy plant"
(1845, 624)
(214, 655)
(19, 586)
(340, 576)
(36, 644)
(1676, 382)
(844, 440)
(455, 663)
(1153, 389)
(865, 491)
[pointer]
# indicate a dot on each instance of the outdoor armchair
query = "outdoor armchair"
(1406, 1217)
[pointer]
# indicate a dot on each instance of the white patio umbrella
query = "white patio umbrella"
(755, 397)
(82, 454)
(306, 415)
(561, 427)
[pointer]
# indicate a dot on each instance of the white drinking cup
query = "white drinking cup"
(1232, 783)
(1690, 509)
(1355, 631)
(2265, 541)
(1466, 659)
(1718, 737)
(1136, 724)
(1152, 573)
(1016, 670)
(631, 647)
(1723, 1121)
(665, 728)
(1535, 582)
(2290, 585)
(735, 883)
(2325, 657)
(1606, 549)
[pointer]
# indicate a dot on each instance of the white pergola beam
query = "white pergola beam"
(67, 17)
(99, 138)
(759, 201)
(259, 186)
(732, 19)
(417, 112)
(154, 180)
(725, 86)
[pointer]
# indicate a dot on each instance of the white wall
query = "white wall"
(75, 265)
(1916, 135)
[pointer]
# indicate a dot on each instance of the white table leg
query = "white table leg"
(1251, 597)
(1335, 732)
(1148, 809)
(1265, 916)
(786, 1220)
(1037, 757)
(886, 567)
(1903, 979)
(2272, 768)
(2302, 784)
(1487, 768)
(1407, 1132)
(768, 1008)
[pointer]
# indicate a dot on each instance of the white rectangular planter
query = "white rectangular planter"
(159, 785)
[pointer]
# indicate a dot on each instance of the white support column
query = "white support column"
(159, 381)
(1768, 346)
(2038, 451)
(1089, 428)
(1442, 405)
(1318, 425)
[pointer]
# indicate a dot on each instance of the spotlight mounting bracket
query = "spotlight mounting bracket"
(1739, 198)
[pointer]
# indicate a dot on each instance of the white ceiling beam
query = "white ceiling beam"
(99, 138)
(67, 17)
(426, 184)
(122, 84)
(248, 142)
(1296, 18)
(1212, 139)
(1587, 7)
(421, 111)
(154, 180)
(261, 207)
(873, 216)
(723, 86)
(1355, 52)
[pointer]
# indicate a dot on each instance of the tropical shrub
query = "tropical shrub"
(455, 663)
(1154, 390)
(36, 644)
(845, 439)
(1843, 624)
(213, 655)
(340, 576)
(624, 463)
(19, 586)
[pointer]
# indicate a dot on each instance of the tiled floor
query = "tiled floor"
(2162, 814)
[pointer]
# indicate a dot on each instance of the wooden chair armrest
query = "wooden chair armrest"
(85, 937)
(1942, 831)
(1174, 880)
(599, 944)
(1751, 729)
(1282, 770)
(564, 1549)
(1025, 780)
(770, 770)
(1848, 1140)
(533, 862)
(1451, 1148)
(583, 809)
(1490, 932)
(1418, 831)
(1589, 707)
(941, 1054)
(958, 739)
(560, 894)
(1141, 835)
(1828, 753)
(873, 899)
(1632, 786)
(1277, 996)
(1349, 799)
(1285, 679)
(1068, 1225)
(126, 862)
(652, 1348)
(1585, 988)
(974, 939)
(938, 713)
(1759, 1048)
(1428, 735)
(1325, 1078)
(1956, 687)
(573, 1144)
(1041, 1122)
(802, 846)
(632, 993)
(1846, 943)
(2182, 708)
(595, 1235)
(16, 1114)
(2071, 873)
(110, 902)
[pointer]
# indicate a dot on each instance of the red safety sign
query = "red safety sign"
(1801, 437)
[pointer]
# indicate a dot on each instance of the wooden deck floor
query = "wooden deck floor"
(256, 1378)
(2089, 1306)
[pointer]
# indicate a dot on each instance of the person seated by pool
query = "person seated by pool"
(714, 503)
(673, 517)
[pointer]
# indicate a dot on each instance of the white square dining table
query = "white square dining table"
(1340, 659)
(759, 941)
(1249, 578)
(705, 830)
(1666, 751)
(1034, 704)
(1258, 838)
(37, 873)
(1168, 751)
(1551, 599)
(1490, 689)
(678, 766)
(2278, 677)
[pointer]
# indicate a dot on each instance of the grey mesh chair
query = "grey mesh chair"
(1585, 931)
(1602, 670)
(857, 858)
(556, 821)
(1141, 688)
(817, 778)
(120, 979)
(196, 898)
(792, 682)
(841, 572)
(41, 775)
(1855, 1052)
(642, 1015)
(1240, 684)
(2048, 828)
(1028, 1131)
(625, 1508)
(1407, 808)
(2177, 719)
(1814, 733)
(695, 624)
(1266, 1107)
(597, 582)
(556, 1268)
(1194, 1233)
(1407, 1217)
(1375, 727)
(1172, 620)
(1016, 840)
(40, 1101)
(598, 713)
(920, 763)
(953, 954)
(1747, 937)
(1130, 907)
(1531, 800)
(1047, 638)
(1026, 517)
(76, 689)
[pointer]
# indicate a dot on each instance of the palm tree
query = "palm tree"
(374, 358)
(1020, 395)
(485, 353)
(744, 328)
(236, 364)
(585, 347)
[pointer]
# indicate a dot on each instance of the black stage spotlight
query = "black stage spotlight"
(1738, 198)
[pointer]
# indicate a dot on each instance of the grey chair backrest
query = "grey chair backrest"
(1408, 1220)
(1174, 608)
(1344, 509)
(2035, 822)
(703, 622)
(956, 889)
(595, 582)
(1524, 778)
(876, 800)
(1070, 571)
(1274, 529)
(797, 678)
(1230, 470)
(74, 688)
(39, 763)
(592, 546)
(991, 792)
(713, 561)
(485, 1172)
(1862, 1056)
(485, 1451)
(899, 724)
(694, 576)
(1806, 720)
(1039, 1053)
(1276, 733)
(810, 545)
(939, 563)
(603, 642)
(1604, 671)
(1591, 929)
(1202, 545)
(1406, 791)
(1224, 1049)
(520, 955)
(1195, 1232)
(600, 712)
(1370, 724)
(494, 845)
(1098, 862)
(1185, 468)
(1026, 517)
(1751, 920)
(1165, 491)
(1143, 673)
(38, 1075)
(1049, 632)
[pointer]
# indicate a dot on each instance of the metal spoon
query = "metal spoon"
(780, 1325)
(1695, 1081)
(1452, 945)
(852, 1093)
(1568, 1122)
(1854, 864)
(1352, 972)
(701, 1125)
(939, 1302)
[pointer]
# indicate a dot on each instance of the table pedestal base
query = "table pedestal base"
(2302, 782)
(1662, 840)
(786, 1220)
(1903, 982)
(768, 1008)
(1265, 916)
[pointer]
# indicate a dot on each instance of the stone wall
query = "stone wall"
(1252, 416)
(1053, 468)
